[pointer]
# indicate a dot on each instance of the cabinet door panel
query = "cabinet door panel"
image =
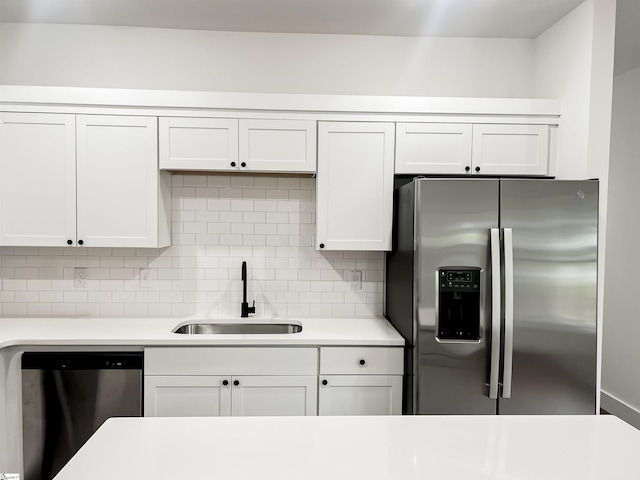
(198, 143)
(117, 181)
(187, 396)
(511, 149)
(355, 185)
(278, 145)
(360, 395)
(430, 148)
(37, 179)
(274, 395)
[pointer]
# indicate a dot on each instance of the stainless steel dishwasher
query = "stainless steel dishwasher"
(66, 396)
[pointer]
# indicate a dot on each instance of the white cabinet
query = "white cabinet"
(87, 180)
(121, 199)
(478, 149)
(228, 144)
(511, 149)
(230, 381)
(355, 185)
(360, 381)
(37, 179)
(437, 148)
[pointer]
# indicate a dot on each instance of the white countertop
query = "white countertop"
(372, 448)
(97, 331)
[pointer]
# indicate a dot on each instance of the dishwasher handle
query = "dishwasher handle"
(82, 360)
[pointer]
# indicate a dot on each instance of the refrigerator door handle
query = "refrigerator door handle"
(508, 313)
(494, 373)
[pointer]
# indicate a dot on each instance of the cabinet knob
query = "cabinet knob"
(69, 242)
(467, 168)
(243, 164)
(233, 164)
(362, 362)
(80, 242)
(322, 245)
(236, 382)
(225, 382)
(324, 382)
(477, 169)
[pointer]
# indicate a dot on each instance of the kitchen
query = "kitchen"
(201, 278)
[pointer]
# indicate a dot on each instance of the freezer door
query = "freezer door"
(453, 219)
(554, 227)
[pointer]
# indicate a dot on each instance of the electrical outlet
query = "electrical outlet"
(356, 279)
(145, 278)
(80, 277)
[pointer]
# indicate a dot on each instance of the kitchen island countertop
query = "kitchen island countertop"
(375, 448)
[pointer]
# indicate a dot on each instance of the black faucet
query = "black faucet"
(245, 308)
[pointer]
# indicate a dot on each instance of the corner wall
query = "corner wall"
(621, 354)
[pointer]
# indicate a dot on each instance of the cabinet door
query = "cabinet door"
(278, 145)
(198, 143)
(117, 181)
(511, 149)
(37, 179)
(187, 396)
(354, 185)
(440, 148)
(274, 395)
(360, 395)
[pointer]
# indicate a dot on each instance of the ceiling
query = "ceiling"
(453, 18)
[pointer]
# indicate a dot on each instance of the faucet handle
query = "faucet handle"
(252, 308)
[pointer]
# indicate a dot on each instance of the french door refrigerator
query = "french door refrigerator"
(492, 282)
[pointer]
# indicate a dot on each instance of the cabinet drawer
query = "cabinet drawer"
(230, 361)
(361, 360)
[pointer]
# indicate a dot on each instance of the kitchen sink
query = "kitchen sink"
(238, 328)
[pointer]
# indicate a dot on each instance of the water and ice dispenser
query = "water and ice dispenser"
(458, 306)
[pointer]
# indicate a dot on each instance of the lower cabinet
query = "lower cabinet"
(360, 381)
(360, 395)
(257, 381)
(218, 395)
(227, 381)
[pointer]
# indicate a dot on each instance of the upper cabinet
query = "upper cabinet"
(478, 149)
(37, 179)
(122, 200)
(85, 180)
(354, 185)
(252, 145)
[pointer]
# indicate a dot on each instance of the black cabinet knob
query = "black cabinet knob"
(324, 382)
(467, 168)
(362, 362)
(322, 245)
(69, 242)
(225, 382)
(243, 164)
(80, 242)
(233, 164)
(477, 169)
(236, 382)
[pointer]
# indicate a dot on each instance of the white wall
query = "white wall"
(151, 58)
(621, 351)
(218, 221)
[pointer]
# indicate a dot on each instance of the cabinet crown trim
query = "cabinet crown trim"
(277, 102)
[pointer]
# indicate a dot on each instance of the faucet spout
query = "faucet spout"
(245, 309)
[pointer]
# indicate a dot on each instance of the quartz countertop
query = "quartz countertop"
(114, 331)
(375, 448)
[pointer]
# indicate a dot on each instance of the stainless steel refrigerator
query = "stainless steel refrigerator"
(493, 284)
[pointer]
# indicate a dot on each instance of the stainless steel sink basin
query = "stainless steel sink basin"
(238, 328)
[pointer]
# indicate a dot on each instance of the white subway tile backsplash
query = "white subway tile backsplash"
(218, 221)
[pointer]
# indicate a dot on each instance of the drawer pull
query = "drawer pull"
(362, 362)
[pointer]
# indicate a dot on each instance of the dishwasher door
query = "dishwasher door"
(67, 396)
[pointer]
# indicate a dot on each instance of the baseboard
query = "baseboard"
(620, 409)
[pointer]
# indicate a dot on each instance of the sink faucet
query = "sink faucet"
(245, 308)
